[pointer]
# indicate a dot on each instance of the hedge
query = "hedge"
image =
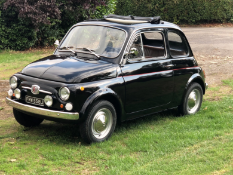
(20, 33)
(179, 11)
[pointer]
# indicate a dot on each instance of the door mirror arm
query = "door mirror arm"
(125, 59)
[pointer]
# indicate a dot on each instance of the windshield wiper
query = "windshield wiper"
(91, 51)
(68, 47)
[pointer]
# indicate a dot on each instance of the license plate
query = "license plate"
(34, 100)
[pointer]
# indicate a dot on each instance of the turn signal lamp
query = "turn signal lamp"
(204, 73)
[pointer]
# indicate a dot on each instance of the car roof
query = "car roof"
(163, 24)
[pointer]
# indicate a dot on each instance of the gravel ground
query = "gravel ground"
(213, 49)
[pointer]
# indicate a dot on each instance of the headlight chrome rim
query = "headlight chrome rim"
(62, 96)
(48, 100)
(17, 93)
(15, 83)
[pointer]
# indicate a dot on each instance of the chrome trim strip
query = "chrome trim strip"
(46, 92)
(24, 87)
(42, 111)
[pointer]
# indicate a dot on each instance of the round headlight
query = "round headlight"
(64, 93)
(17, 93)
(69, 106)
(13, 82)
(48, 100)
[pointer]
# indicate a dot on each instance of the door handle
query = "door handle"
(168, 66)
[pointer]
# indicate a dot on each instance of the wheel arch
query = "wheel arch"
(195, 78)
(104, 94)
(198, 79)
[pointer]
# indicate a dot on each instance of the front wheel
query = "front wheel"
(100, 122)
(192, 100)
(26, 120)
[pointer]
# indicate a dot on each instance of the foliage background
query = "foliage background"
(32, 23)
(179, 11)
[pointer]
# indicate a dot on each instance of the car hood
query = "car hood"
(70, 69)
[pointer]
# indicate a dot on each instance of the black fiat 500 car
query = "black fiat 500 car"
(108, 70)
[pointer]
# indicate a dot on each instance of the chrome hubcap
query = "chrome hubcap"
(194, 100)
(102, 123)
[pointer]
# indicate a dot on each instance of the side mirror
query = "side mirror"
(134, 51)
(57, 43)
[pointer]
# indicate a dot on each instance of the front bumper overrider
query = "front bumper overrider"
(206, 85)
(42, 111)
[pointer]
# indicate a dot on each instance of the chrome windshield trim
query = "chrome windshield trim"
(46, 92)
(42, 111)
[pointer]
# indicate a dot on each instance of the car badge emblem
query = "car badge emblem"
(35, 89)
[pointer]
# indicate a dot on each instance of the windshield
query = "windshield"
(104, 41)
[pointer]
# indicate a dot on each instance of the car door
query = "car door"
(147, 73)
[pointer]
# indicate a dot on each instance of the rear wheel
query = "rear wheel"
(100, 122)
(26, 120)
(192, 100)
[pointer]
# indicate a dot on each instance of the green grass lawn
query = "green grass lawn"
(159, 144)
(12, 61)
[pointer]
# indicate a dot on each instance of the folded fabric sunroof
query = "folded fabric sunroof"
(132, 19)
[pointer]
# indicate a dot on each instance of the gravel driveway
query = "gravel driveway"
(213, 49)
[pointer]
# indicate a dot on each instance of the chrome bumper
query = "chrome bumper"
(43, 112)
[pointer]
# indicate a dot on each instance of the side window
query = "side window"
(147, 45)
(153, 44)
(136, 51)
(177, 45)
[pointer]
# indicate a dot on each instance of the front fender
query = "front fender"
(100, 94)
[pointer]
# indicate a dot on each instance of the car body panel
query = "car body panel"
(70, 69)
(148, 84)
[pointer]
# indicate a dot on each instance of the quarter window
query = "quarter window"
(136, 52)
(177, 45)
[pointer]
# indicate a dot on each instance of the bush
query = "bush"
(15, 33)
(179, 11)
(33, 23)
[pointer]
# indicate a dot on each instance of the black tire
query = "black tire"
(26, 120)
(97, 115)
(193, 92)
